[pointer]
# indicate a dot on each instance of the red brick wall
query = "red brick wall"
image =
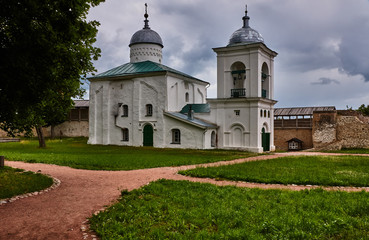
(281, 136)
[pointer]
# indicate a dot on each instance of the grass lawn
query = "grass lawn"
(76, 153)
(184, 210)
(303, 170)
(16, 182)
(352, 151)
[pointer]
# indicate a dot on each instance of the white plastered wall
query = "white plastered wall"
(191, 136)
(177, 89)
(146, 52)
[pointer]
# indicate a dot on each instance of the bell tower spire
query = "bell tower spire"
(246, 19)
(146, 26)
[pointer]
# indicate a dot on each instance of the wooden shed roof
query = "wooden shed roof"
(300, 111)
(81, 103)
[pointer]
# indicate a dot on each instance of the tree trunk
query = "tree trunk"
(41, 138)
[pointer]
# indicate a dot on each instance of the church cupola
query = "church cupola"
(146, 44)
(245, 65)
(245, 34)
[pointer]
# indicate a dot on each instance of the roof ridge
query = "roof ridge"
(195, 121)
(130, 69)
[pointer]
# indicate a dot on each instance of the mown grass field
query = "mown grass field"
(183, 210)
(76, 153)
(352, 151)
(16, 182)
(302, 170)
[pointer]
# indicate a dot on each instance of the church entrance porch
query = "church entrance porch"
(148, 136)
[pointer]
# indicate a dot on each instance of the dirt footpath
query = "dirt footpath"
(59, 213)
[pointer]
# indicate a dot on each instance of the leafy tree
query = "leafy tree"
(46, 51)
(364, 109)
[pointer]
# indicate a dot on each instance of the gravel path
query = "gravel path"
(60, 213)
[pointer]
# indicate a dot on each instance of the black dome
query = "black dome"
(146, 35)
(245, 34)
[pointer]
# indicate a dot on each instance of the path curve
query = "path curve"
(59, 214)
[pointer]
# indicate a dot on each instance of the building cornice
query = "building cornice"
(250, 99)
(249, 46)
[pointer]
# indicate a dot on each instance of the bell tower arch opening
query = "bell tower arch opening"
(265, 81)
(238, 71)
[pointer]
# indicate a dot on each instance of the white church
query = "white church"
(145, 103)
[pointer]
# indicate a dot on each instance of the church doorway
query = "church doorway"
(148, 136)
(265, 140)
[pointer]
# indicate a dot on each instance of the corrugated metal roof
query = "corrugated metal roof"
(81, 103)
(195, 121)
(131, 69)
(300, 111)
(197, 108)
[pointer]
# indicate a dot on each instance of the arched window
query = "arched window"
(187, 97)
(261, 113)
(125, 111)
(176, 136)
(238, 72)
(268, 114)
(265, 113)
(125, 135)
(148, 110)
(213, 139)
(265, 77)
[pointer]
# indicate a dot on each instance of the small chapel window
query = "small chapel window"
(125, 135)
(176, 136)
(293, 145)
(265, 113)
(187, 97)
(237, 112)
(125, 111)
(148, 110)
(261, 113)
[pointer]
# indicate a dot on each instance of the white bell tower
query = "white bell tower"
(245, 86)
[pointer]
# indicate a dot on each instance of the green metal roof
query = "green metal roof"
(139, 68)
(197, 108)
(184, 118)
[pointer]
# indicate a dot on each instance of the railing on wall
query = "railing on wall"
(238, 92)
(78, 114)
(263, 93)
(293, 123)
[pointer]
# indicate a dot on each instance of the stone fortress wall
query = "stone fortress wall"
(334, 130)
(65, 129)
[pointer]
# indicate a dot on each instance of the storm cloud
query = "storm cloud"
(319, 42)
(325, 81)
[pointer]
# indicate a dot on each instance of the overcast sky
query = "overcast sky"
(322, 45)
